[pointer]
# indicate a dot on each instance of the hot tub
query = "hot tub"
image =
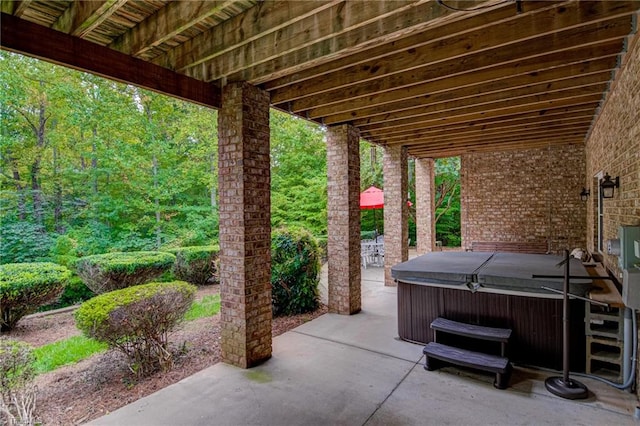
(496, 290)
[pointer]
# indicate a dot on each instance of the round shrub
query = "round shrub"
(113, 271)
(197, 264)
(295, 272)
(17, 390)
(136, 321)
(24, 287)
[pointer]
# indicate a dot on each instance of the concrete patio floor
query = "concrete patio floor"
(352, 370)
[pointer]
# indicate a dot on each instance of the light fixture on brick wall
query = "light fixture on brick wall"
(608, 186)
(584, 195)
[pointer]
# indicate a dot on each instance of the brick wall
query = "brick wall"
(425, 205)
(613, 147)
(343, 221)
(530, 195)
(245, 228)
(396, 212)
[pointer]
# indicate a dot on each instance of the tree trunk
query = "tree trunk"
(213, 186)
(57, 194)
(157, 202)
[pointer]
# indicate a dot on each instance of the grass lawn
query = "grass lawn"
(76, 348)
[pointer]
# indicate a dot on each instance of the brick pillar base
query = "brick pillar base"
(396, 211)
(425, 205)
(343, 169)
(245, 228)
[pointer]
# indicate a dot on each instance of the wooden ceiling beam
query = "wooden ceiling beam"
(481, 133)
(528, 35)
(328, 24)
(264, 18)
(168, 22)
(313, 54)
(442, 152)
(82, 17)
(551, 117)
(18, 35)
(427, 18)
(525, 103)
(538, 106)
(446, 89)
(379, 135)
(477, 95)
(550, 51)
(549, 133)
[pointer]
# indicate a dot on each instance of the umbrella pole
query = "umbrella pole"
(375, 223)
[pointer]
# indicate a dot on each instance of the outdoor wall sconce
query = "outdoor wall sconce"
(608, 186)
(584, 195)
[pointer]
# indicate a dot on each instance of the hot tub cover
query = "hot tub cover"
(501, 271)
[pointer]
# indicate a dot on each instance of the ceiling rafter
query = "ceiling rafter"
(167, 23)
(82, 17)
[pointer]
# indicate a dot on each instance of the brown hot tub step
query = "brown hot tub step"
(469, 330)
(437, 354)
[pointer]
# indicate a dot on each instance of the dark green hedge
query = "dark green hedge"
(197, 265)
(136, 320)
(113, 271)
(295, 272)
(24, 287)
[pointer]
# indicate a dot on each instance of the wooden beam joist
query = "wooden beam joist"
(533, 106)
(505, 77)
(345, 30)
(24, 37)
(429, 28)
(523, 121)
(422, 135)
(497, 121)
(525, 103)
(259, 21)
(466, 97)
(523, 38)
(426, 152)
(167, 23)
(82, 17)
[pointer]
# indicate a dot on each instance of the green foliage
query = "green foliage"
(207, 307)
(298, 174)
(17, 390)
(295, 269)
(112, 271)
(74, 292)
(24, 287)
(65, 352)
(136, 321)
(447, 218)
(23, 242)
(197, 264)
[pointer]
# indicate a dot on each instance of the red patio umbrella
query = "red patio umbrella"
(372, 198)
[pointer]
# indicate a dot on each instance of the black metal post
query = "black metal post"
(565, 387)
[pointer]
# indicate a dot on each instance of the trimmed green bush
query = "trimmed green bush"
(113, 271)
(136, 321)
(17, 389)
(24, 287)
(197, 264)
(76, 291)
(295, 272)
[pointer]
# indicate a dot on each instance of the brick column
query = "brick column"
(343, 249)
(425, 205)
(245, 228)
(396, 211)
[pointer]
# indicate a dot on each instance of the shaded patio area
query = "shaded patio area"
(353, 370)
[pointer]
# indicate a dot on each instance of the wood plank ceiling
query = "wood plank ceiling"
(404, 72)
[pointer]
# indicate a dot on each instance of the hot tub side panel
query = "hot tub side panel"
(536, 322)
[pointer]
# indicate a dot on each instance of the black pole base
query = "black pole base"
(570, 389)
